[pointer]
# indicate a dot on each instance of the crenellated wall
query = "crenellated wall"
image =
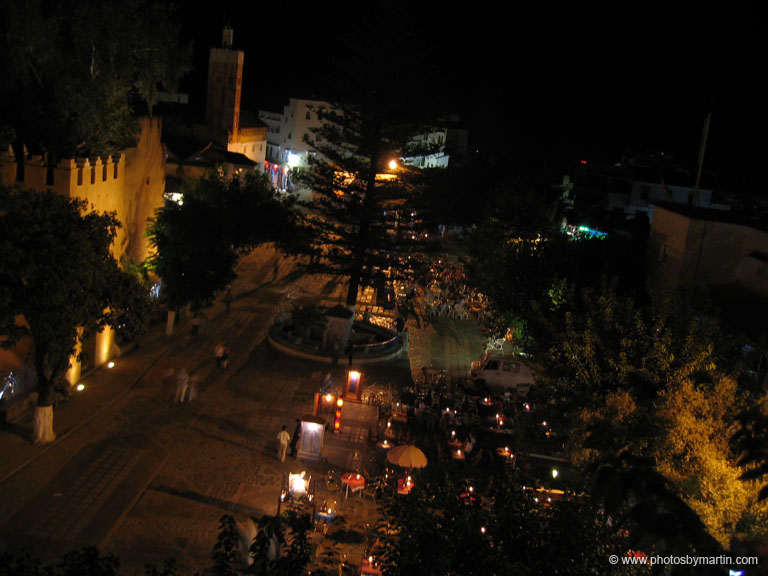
(130, 184)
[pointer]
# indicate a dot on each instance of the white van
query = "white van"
(497, 370)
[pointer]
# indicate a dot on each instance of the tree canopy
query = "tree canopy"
(197, 241)
(58, 278)
(433, 531)
(75, 73)
(378, 93)
(638, 379)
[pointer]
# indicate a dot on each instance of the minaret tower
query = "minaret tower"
(225, 84)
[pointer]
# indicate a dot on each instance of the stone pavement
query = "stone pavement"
(146, 479)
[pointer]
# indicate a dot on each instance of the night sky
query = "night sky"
(573, 80)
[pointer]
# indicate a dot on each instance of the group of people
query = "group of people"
(187, 384)
(285, 441)
(446, 294)
(186, 387)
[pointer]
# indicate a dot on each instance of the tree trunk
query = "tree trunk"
(169, 324)
(361, 248)
(354, 286)
(42, 422)
(42, 427)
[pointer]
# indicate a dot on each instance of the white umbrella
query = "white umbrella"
(407, 456)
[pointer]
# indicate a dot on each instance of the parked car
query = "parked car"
(496, 370)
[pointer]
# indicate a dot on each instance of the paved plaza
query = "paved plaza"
(147, 479)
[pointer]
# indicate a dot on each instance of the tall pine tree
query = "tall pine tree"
(359, 225)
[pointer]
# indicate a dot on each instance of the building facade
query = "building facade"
(634, 186)
(690, 246)
(291, 139)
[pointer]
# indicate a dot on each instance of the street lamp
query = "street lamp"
(337, 416)
(354, 389)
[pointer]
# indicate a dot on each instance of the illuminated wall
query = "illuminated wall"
(252, 143)
(702, 247)
(131, 184)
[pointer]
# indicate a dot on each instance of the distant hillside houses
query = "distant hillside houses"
(634, 185)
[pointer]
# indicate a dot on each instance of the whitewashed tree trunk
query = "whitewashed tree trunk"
(246, 530)
(170, 322)
(273, 553)
(42, 426)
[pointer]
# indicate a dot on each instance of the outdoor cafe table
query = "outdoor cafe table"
(369, 568)
(384, 445)
(354, 482)
(404, 486)
(505, 453)
(458, 455)
(400, 416)
(326, 515)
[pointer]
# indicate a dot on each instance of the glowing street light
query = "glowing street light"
(337, 416)
(294, 160)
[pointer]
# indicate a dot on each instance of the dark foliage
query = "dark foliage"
(75, 73)
(225, 551)
(750, 443)
(57, 273)
(197, 242)
(359, 224)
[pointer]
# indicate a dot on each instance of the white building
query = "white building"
(291, 137)
(429, 150)
(633, 186)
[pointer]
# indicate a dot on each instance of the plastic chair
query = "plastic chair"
(371, 489)
(332, 482)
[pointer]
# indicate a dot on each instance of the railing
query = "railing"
(375, 349)
(315, 346)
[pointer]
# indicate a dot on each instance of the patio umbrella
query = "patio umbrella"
(407, 457)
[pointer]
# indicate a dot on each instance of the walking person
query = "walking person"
(283, 437)
(327, 386)
(194, 380)
(295, 439)
(222, 355)
(182, 382)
